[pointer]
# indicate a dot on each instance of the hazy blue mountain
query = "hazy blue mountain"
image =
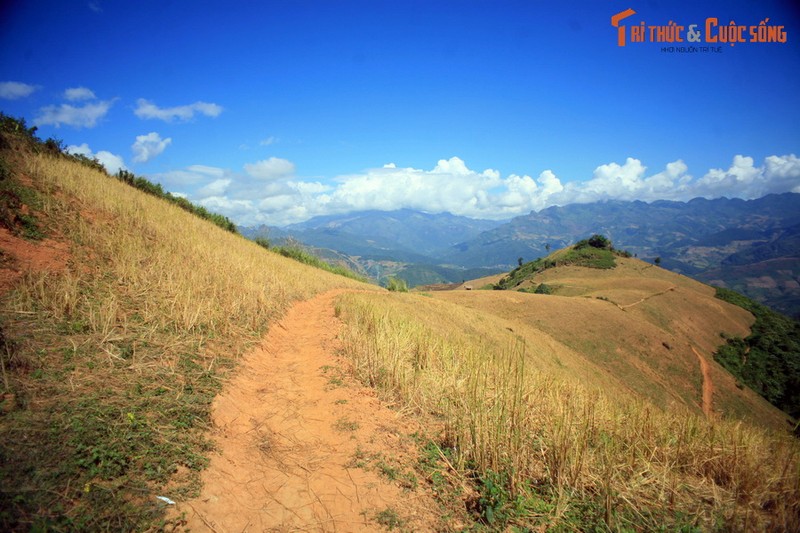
(672, 230)
(404, 229)
(751, 246)
(403, 243)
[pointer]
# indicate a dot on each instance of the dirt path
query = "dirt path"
(290, 429)
(665, 291)
(708, 385)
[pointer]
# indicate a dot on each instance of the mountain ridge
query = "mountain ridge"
(732, 242)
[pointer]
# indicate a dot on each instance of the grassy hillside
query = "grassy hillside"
(641, 323)
(584, 409)
(115, 343)
(595, 252)
(529, 432)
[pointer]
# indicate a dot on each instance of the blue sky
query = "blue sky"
(273, 112)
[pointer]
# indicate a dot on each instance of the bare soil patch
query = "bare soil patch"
(18, 256)
(290, 428)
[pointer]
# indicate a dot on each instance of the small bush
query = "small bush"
(543, 289)
(397, 285)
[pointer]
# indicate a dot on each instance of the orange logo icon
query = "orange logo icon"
(621, 29)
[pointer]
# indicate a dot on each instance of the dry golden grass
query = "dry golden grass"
(189, 274)
(641, 466)
(115, 359)
(111, 365)
(639, 323)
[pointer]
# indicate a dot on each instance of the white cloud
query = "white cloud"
(215, 188)
(79, 93)
(112, 162)
(209, 171)
(149, 146)
(453, 165)
(85, 116)
(148, 110)
(268, 141)
(742, 177)
(782, 173)
(629, 181)
(13, 90)
(269, 192)
(193, 177)
(270, 169)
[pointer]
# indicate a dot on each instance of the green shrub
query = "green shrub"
(767, 360)
(595, 241)
(543, 289)
(397, 285)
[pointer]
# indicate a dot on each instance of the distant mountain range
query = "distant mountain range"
(752, 246)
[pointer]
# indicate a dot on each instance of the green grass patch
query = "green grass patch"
(389, 519)
(97, 459)
(595, 252)
(17, 206)
(344, 425)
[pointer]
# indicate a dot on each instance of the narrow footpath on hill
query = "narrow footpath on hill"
(708, 385)
(289, 429)
(665, 291)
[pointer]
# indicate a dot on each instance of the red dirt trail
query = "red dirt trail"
(708, 385)
(287, 431)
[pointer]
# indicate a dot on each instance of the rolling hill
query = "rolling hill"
(640, 323)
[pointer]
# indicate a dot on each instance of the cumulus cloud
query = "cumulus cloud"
(270, 192)
(79, 93)
(148, 146)
(781, 174)
(630, 181)
(85, 116)
(148, 110)
(192, 177)
(269, 169)
(112, 162)
(13, 90)
(742, 177)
